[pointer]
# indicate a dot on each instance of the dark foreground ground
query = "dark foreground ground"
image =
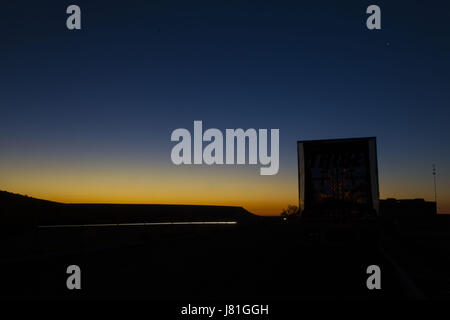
(256, 262)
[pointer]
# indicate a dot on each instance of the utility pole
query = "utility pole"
(435, 193)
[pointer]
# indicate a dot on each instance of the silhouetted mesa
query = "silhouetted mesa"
(22, 211)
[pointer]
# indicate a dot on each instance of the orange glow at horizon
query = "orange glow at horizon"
(190, 185)
(168, 185)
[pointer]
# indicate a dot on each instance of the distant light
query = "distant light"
(138, 224)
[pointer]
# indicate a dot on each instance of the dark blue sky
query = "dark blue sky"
(140, 69)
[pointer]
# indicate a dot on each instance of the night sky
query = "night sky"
(86, 115)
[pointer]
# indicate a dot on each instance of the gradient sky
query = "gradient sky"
(86, 116)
